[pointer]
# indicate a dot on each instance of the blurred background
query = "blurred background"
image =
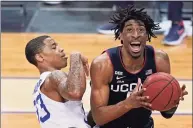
(84, 26)
(62, 16)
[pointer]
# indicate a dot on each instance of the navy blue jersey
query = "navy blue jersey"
(123, 83)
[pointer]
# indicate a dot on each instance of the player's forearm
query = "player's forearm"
(76, 81)
(105, 114)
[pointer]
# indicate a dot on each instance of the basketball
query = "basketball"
(163, 90)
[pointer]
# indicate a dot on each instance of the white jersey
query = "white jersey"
(53, 114)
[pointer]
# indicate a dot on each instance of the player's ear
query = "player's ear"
(120, 38)
(147, 37)
(39, 58)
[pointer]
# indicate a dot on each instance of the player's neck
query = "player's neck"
(132, 64)
(46, 69)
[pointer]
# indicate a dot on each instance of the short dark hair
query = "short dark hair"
(122, 15)
(33, 47)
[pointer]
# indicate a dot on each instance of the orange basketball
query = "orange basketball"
(163, 90)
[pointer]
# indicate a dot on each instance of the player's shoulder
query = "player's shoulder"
(161, 54)
(103, 58)
(58, 72)
(158, 52)
(161, 57)
(53, 77)
(101, 63)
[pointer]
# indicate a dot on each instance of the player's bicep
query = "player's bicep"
(100, 90)
(162, 62)
(99, 95)
(58, 80)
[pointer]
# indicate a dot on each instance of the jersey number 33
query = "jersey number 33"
(41, 110)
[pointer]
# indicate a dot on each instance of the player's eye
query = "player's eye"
(129, 29)
(141, 30)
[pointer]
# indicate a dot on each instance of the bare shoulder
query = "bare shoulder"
(102, 61)
(162, 61)
(53, 78)
(161, 55)
(101, 69)
(57, 74)
(52, 83)
(56, 77)
(101, 58)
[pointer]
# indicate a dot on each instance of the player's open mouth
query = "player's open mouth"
(135, 47)
(64, 57)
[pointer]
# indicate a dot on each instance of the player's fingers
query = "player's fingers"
(183, 87)
(84, 59)
(148, 108)
(182, 98)
(139, 82)
(87, 69)
(143, 98)
(140, 92)
(138, 85)
(184, 93)
(146, 104)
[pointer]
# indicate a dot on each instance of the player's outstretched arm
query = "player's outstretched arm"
(163, 65)
(101, 74)
(73, 85)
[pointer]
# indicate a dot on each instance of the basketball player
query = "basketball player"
(57, 95)
(119, 70)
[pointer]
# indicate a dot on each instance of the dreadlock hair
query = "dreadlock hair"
(34, 47)
(122, 15)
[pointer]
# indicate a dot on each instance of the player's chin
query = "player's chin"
(136, 55)
(64, 64)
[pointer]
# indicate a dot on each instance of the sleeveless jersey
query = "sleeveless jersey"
(123, 83)
(53, 114)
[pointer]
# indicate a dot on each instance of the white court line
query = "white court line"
(7, 105)
(30, 111)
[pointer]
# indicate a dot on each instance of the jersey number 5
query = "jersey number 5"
(39, 102)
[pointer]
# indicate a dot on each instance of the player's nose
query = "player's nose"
(135, 35)
(61, 50)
